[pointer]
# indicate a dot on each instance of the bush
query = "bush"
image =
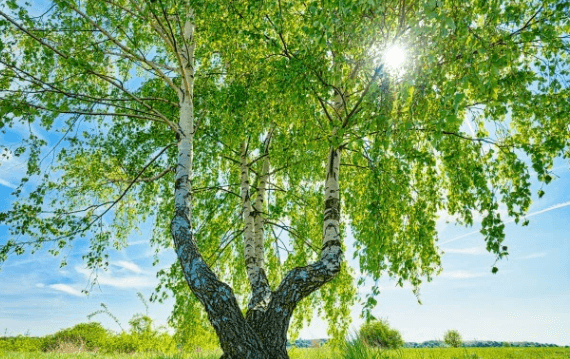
(21, 343)
(86, 336)
(452, 338)
(378, 333)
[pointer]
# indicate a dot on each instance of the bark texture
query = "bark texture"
(262, 333)
(253, 242)
(237, 339)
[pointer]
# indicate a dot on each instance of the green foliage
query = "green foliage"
(91, 336)
(192, 330)
(22, 344)
(478, 109)
(142, 336)
(452, 338)
(140, 343)
(377, 333)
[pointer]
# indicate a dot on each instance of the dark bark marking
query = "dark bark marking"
(334, 242)
(331, 164)
(332, 209)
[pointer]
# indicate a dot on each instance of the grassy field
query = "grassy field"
(324, 353)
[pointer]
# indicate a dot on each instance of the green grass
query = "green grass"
(104, 356)
(327, 353)
(437, 353)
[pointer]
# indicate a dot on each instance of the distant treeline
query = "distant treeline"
(305, 343)
(477, 344)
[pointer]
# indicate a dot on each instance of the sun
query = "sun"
(394, 57)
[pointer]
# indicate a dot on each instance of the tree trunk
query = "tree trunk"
(262, 333)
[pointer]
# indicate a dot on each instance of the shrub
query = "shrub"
(143, 336)
(87, 336)
(123, 343)
(452, 338)
(21, 343)
(378, 333)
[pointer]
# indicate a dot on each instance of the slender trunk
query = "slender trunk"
(237, 339)
(300, 282)
(253, 242)
(262, 334)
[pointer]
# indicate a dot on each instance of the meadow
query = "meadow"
(327, 353)
(144, 341)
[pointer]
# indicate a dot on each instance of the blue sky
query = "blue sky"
(526, 301)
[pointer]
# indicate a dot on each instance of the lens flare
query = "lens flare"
(394, 57)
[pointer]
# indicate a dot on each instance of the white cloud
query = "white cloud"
(535, 255)
(470, 250)
(457, 238)
(461, 274)
(7, 184)
(106, 278)
(406, 286)
(134, 243)
(40, 285)
(12, 169)
(130, 266)
(66, 289)
(551, 208)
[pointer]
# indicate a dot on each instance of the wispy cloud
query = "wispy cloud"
(7, 184)
(551, 208)
(130, 266)
(461, 274)
(535, 255)
(12, 168)
(459, 237)
(66, 289)
(134, 243)
(121, 281)
(470, 250)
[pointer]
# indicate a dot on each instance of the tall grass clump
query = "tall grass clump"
(358, 349)
(377, 333)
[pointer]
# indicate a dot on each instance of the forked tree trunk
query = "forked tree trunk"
(262, 333)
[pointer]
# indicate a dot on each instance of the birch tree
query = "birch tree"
(242, 128)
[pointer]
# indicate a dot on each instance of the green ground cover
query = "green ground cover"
(327, 353)
(472, 353)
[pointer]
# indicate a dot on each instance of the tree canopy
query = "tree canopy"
(270, 105)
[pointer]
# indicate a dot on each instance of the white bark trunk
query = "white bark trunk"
(248, 216)
(186, 124)
(237, 338)
(259, 214)
(253, 241)
(332, 200)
